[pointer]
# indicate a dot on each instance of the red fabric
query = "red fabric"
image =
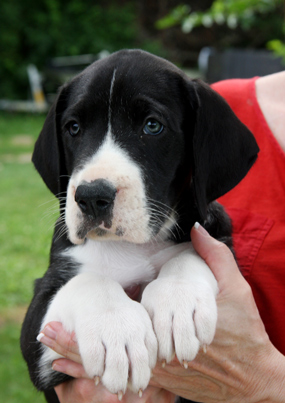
(257, 208)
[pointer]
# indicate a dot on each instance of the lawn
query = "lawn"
(27, 213)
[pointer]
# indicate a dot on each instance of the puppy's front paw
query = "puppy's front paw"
(115, 335)
(119, 346)
(184, 316)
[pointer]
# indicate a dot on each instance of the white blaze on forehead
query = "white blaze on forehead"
(110, 101)
(110, 162)
(130, 215)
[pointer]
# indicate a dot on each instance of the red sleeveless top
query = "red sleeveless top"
(257, 208)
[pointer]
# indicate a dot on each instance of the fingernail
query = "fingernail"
(57, 367)
(73, 336)
(201, 229)
(50, 332)
(40, 336)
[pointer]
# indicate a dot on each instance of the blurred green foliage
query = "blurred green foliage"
(264, 17)
(278, 47)
(33, 31)
(233, 12)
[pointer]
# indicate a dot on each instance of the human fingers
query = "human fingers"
(85, 391)
(218, 257)
(82, 391)
(70, 368)
(55, 337)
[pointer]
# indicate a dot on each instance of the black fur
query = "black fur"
(204, 152)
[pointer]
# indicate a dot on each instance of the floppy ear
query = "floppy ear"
(48, 155)
(223, 148)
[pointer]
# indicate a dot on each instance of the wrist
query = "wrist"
(276, 377)
(271, 374)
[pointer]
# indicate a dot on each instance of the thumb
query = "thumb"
(217, 256)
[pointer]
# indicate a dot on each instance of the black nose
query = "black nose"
(96, 199)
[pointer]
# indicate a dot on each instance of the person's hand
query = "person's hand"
(241, 365)
(85, 390)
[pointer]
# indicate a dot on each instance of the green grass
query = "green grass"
(25, 236)
(15, 384)
(24, 233)
(12, 125)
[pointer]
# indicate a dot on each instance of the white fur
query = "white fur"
(110, 328)
(181, 303)
(114, 333)
(130, 214)
(110, 100)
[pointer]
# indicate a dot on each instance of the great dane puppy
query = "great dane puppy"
(136, 152)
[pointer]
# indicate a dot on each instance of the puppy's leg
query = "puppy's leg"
(181, 303)
(114, 333)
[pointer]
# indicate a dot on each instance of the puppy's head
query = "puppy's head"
(129, 138)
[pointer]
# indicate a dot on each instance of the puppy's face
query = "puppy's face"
(142, 146)
(122, 132)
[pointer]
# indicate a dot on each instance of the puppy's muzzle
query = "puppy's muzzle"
(96, 201)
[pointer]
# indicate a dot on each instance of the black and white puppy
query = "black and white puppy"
(136, 152)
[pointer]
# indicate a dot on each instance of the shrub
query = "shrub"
(34, 31)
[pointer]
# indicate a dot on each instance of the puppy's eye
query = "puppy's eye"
(73, 128)
(153, 127)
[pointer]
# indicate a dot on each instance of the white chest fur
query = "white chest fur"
(177, 313)
(124, 262)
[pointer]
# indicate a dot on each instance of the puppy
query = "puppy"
(136, 153)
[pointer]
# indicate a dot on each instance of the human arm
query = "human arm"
(241, 365)
(85, 390)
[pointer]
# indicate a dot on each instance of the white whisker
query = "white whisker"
(163, 217)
